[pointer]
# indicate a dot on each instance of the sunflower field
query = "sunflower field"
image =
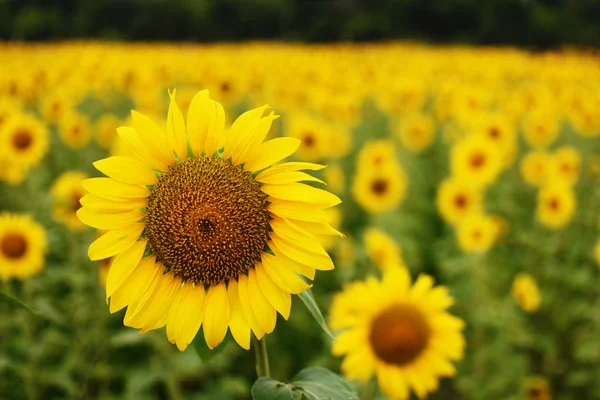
(284, 221)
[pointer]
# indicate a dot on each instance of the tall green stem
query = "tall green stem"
(262, 358)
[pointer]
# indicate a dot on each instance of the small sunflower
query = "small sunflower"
(106, 130)
(75, 130)
(66, 192)
(335, 178)
(22, 246)
(556, 205)
(476, 160)
(204, 229)
(540, 128)
(379, 190)
(565, 165)
(403, 334)
(537, 388)
(377, 154)
(476, 233)
(417, 132)
(382, 249)
(535, 167)
(457, 198)
(23, 140)
(314, 140)
(526, 293)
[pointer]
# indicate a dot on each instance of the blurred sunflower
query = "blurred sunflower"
(22, 246)
(476, 233)
(66, 192)
(541, 128)
(537, 389)
(376, 154)
(380, 189)
(382, 249)
(499, 130)
(75, 130)
(398, 332)
(106, 130)
(476, 160)
(535, 167)
(23, 141)
(54, 106)
(417, 132)
(565, 165)
(205, 230)
(555, 205)
(457, 198)
(335, 178)
(306, 128)
(526, 293)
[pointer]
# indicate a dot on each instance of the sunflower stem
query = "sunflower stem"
(262, 358)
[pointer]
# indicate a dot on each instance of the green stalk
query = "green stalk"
(262, 358)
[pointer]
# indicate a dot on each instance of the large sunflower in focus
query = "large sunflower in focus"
(401, 333)
(205, 229)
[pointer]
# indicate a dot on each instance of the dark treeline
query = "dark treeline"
(529, 23)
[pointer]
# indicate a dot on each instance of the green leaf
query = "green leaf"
(309, 384)
(10, 299)
(309, 301)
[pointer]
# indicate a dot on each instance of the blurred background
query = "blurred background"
(430, 87)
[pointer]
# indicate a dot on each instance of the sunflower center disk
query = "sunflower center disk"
(22, 140)
(207, 220)
(399, 334)
(13, 246)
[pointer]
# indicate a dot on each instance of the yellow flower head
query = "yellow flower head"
(476, 233)
(22, 246)
(540, 128)
(526, 292)
(54, 106)
(555, 205)
(499, 130)
(66, 192)
(382, 249)
(476, 160)
(309, 130)
(417, 132)
(23, 141)
(379, 190)
(106, 130)
(537, 389)
(377, 154)
(206, 227)
(335, 178)
(399, 332)
(535, 167)
(75, 130)
(457, 198)
(565, 165)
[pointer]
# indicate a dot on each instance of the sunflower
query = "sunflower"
(75, 130)
(23, 140)
(456, 198)
(380, 189)
(22, 246)
(66, 192)
(54, 105)
(476, 233)
(403, 334)
(555, 205)
(205, 229)
(11, 172)
(417, 132)
(537, 388)
(335, 178)
(314, 140)
(535, 167)
(498, 129)
(526, 293)
(541, 128)
(106, 130)
(382, 249)
(565, 165)
(377, 154)
(476, 160)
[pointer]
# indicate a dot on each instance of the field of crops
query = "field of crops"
(448, 250)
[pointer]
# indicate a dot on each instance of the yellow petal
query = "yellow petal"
(286, 177)
(287, 167)
(244, 139)
(132, 287)
(111, 189)
(302, 193)
(173, 320)
(176, 128)
(265, 314)
(152, 137)
(271, 152)
(108, 221)
(102, 205)
(321, 262)
(298, 211)
(190, 316)
(138, 303)
(114, 242)
(216, 315)
(317, 229)
(296, 236)
(240, 132)
(240, 330)
(286, 262)
(123, 266)
(126, 170)
(279, 299)
(205, 124)
(285, 278)
(156, 311)
(247, 308)
(136, 148)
